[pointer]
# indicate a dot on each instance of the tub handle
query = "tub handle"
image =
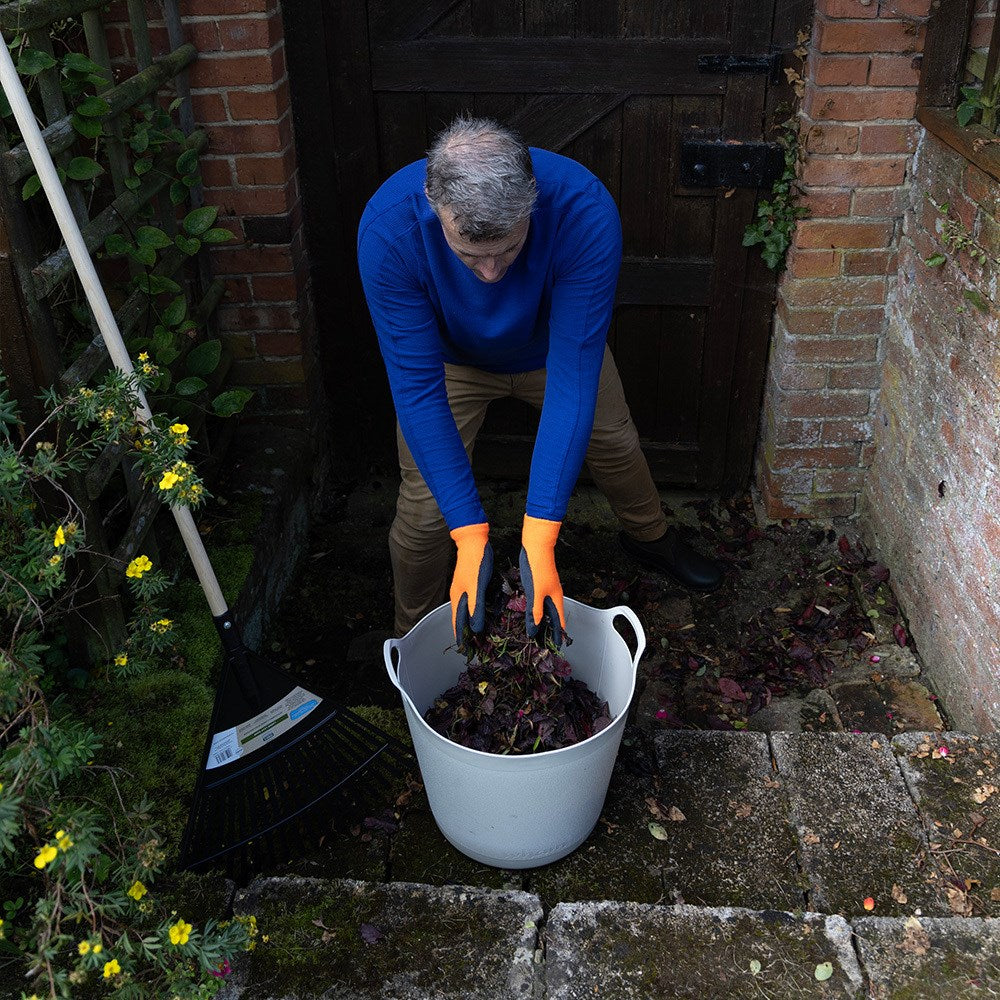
(640, 635)
(387, 648)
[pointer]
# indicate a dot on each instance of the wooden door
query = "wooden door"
(617, 86)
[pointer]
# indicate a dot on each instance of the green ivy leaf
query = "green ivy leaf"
(935, 260)
(116, 245)
(139, 141)
(187, 161)
(156, 284)
(175, 312)
(83, 168)
(144, 255)
(93, 107)
(167, 356)
(5, 109)
(217, 236)
(79, 63)
(152, 238)
(966, 111)
(90, 128)
(823, 971)
(187, 245)
(162, 338)
(204, 359)
(200, 220)
(132, 183)
(178, 193)
(191, 385)
(227, 404)
(34, 61)
(143, 167)
(31, 187)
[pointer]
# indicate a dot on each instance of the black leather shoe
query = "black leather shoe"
(672, 555)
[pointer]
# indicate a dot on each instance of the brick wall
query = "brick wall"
(931, 502)
(240, 96)
(824, 372)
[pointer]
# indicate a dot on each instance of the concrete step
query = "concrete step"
(747, 860)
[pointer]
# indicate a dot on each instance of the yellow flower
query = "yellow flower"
(46, 855)
(138, 566)
(60, 537)
(111, 968)
(121, 659)
(71, 528)
(169, 480)
(55, 560)
(179, 933)
(83, 947)
(98, 948)
(161, 626)
(144, 356)
(1, 928)
(178, 429)
(138, 890)
(63, 840)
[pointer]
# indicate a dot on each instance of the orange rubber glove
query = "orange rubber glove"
(473, 570)
(540, 578)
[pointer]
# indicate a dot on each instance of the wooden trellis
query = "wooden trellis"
(29, 340)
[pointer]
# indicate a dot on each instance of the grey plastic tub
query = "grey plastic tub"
(516, 811)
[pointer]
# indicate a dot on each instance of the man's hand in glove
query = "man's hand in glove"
(539, 577)
(472, 573)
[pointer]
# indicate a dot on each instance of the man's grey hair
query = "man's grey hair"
(482, 172)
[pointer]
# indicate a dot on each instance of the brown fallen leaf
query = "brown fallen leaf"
(898, 895)
(741, 810)
(995, 894)
(983, 792)
(772, 783)
(810, 838)
(916, 940)
(673, 813)
(655, 808)
(958, 901)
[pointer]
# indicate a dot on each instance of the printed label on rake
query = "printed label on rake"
(231, 744)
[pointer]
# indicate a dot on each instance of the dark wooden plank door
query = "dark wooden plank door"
(616, 86)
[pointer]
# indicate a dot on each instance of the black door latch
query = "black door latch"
(723, 163)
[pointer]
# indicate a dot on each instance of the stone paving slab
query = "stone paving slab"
(858, 830)
(734, 846)
(424, 942)
(633, 951)
(955, 780)
(930, 958)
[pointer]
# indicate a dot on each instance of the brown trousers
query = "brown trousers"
(419, 544)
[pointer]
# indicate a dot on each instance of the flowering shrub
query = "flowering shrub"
(77, 889)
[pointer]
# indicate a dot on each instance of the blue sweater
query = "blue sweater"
(550, 310)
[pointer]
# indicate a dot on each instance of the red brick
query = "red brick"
(251, 138)
(275, 287)
(267, 372)
(249, 201)
(797, 432)
(260, 260)
(204, 35)
(257, 317)
(894, 71)
(805, 321)
(827, 204)
(247, 34)
(832, 457)
(813, 350)
(254, 170)
(890, 203)
(814, 263)
(216, 172)
(238, 289)
(847, 8)
(860, 322)
(825, 138)
(240, 345)
(259, 105)
(980, 33)
(208, 107)
(982, 189)
(858, 263)
(854, 172)
(905, 8)
(194, 8)
(815, 234)
(846, 431)
(278, 344)
(237, 71)
(869, 36)
(294, 398)
(840, 480)
(839, 71)
(835, 104)
(834, 292)
(826, 404)
(793, 376)
(889, 138)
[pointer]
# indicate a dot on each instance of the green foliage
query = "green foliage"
(79, 853)
(974, 102)
(776, 217)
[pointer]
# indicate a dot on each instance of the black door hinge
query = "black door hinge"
(770, 64)
(723, 163)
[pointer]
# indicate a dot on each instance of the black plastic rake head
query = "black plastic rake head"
(260, 800)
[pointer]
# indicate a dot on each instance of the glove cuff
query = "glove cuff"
(537, 532)
(471, 534)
